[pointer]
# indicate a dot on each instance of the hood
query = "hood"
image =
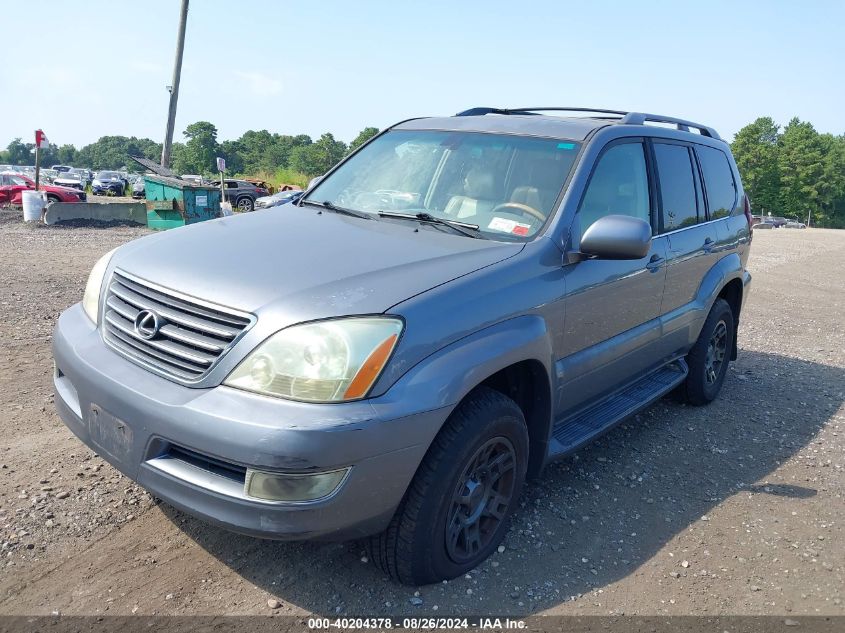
(57, 188)
(306, 264)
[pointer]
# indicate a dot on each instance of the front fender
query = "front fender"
(446, 376)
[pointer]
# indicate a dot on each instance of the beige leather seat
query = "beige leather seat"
(477, 199)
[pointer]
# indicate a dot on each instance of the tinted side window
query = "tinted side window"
(677, 186)
(718, 181)
(618, 186)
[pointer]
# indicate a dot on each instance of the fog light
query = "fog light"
(292, 487)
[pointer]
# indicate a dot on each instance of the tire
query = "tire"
(431, 537)
(51, 198)
(709, 358)
(245, 204)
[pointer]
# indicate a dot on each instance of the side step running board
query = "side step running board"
(586, 425)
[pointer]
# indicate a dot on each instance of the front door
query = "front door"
(612, 306)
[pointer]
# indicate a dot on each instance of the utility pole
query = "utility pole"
(174, 87)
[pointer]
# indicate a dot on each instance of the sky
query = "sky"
(100, 67)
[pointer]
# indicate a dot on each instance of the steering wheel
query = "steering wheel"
(522, 208)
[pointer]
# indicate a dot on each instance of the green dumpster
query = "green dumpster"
(173, 202)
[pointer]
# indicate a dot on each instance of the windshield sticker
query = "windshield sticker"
(508, 226)
(566, 145)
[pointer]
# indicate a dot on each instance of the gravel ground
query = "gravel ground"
(734, 508)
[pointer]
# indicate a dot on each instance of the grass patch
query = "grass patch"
(278, 177)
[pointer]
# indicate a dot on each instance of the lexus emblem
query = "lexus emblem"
(147, 324)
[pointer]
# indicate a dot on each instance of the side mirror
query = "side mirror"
(314, 181)
(617, 237)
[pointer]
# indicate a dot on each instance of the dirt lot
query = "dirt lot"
(735, 508)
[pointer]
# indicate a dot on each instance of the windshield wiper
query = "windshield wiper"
(331, 206)
(464, 228)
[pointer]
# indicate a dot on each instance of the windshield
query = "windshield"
(506, 185)
(107, 175)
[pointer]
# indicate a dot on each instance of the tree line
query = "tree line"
(253, 153)
(789, 171)
(793, 172)
(110, 152)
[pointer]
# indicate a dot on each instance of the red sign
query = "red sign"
(41, 139)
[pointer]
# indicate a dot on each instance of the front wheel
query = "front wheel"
(708, 359)
(457, 508)
(245, 205)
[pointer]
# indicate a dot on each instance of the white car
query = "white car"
(794, 224)
(70, 179)
(282, 197)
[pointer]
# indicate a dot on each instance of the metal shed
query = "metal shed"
(173, 202)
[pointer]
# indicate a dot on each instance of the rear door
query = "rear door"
(683, 219)
(5, 189)
(724, 196)
(232, 189)
(16, 187)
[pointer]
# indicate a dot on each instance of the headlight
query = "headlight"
(97, 183)
(91, 298)
(326, 361)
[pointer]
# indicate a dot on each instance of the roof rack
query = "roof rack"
(482, 111)
(640, 118)
(625, 118)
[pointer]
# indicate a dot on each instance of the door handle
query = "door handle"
(654, 263)
(708, 245)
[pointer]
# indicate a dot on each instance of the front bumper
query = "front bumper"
(138, 421)
(104, 189)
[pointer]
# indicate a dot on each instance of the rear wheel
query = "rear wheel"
(457, 508)
(53, 198)
(708, 359)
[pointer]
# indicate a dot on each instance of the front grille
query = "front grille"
(191, 337)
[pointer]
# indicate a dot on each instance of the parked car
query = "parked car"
(455, 305)
(70, 179)
(194, 178)
(108, 183)
(794, 224)
(46, 175)
(242, 193)
(775, 221)
(61, 168)
(13, 185)
(278, 199)
(763, 225)
(138, 190)
(85, 175)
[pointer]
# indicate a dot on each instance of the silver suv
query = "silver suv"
(452, 307)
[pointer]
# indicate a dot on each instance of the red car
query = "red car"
(12, 186)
